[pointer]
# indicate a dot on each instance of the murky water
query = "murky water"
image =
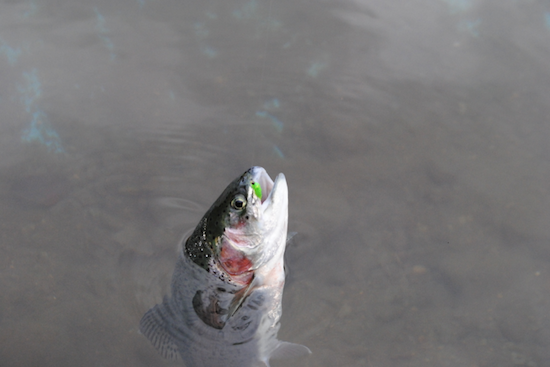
(414, 136)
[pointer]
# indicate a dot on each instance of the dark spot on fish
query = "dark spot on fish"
(246, 217)
(241, 327)
(220, 289)
(212, 315)
(197, 251)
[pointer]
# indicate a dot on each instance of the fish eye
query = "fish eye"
(239, 202)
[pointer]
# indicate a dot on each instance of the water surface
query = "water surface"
(413, 134)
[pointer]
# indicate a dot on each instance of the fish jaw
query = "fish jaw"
(274, 224)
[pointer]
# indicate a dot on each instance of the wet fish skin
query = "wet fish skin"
(227, 286)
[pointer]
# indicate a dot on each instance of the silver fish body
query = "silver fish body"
(227, 286)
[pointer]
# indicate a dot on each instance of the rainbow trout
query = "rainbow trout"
(227, 286)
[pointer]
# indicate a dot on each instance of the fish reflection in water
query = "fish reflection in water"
(227, 286)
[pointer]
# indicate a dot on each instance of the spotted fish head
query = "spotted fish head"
(245, 228)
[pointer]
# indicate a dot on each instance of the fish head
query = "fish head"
(245, 229)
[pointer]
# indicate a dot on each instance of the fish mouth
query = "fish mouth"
(268, 186)
(259, 175)
(274, 193)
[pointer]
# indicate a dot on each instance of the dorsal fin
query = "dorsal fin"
(155, 325)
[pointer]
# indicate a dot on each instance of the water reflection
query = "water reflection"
(413, 137)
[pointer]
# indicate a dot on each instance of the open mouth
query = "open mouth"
(266, 183)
